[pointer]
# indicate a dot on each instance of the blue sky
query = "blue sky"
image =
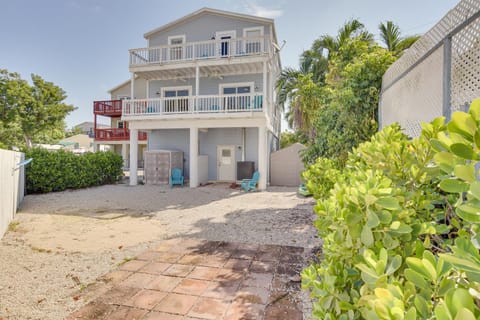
(82, 45)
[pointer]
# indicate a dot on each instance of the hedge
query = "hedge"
(60, 170)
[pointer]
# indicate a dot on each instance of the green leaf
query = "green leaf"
(475, 109)
(468, 213)
(417, 279)
(411, 314)
(389, 203)
(462, 123)
(475, 189)
(459, 299)
(366, 237)
(421, 305)
(400, 227)
(465, 314)
(438, 145)
(465, 172)
(441, 312)
(394, 265)
(463, 151)
(453, 186)
(372, 219)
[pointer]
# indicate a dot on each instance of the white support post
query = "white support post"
(133, 156)
(197, 84)
(124, 155)
(132, 86)
(147, 94)
(264, 90)
(262, 157)
(193, 157)
(197, 79)
(95, 147)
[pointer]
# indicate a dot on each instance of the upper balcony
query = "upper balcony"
(200, 51)
(109, 108)
(216, 106)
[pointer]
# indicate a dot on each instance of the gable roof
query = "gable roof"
(205, 10)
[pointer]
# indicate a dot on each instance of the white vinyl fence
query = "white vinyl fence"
(12, 186)
(438, 75)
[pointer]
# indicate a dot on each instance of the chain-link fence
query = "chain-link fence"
(438, 75)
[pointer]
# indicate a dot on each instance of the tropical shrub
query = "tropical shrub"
(400, 228)
(321, 176)
(61, 170)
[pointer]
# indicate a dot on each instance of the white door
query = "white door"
(226, 163)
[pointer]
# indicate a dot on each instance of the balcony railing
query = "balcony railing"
(115, 134)
(219, 104)
(224, 48)
(108, 107)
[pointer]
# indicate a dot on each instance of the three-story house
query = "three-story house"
(205, 85)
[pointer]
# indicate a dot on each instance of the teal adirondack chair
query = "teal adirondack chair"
(176, 177)
(250, 184)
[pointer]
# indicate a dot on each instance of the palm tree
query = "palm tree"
(350, 30)
(391, 37)
(313, 67)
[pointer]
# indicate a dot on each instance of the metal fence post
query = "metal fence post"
(447, 78)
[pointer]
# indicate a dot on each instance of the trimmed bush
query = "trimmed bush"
(61, 170)
(401, 228)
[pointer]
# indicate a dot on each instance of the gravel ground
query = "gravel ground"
(63, 242)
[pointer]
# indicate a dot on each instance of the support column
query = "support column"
(133, 156)
(193, 157)
(132, 86)
(95, 147)
(197, 79)
(262, 157)
(124, 155)
(264, 89)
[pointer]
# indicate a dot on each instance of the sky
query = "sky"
(82, 45)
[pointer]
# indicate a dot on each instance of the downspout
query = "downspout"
(244, 138)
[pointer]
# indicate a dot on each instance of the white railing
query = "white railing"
(236, 47)
(194, 105)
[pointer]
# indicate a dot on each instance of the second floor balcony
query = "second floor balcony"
(188, 106)
(116, 134)
(204, 50)
(108, 107)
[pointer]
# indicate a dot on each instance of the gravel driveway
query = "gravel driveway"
(61, 243)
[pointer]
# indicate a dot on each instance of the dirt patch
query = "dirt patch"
(84, 234)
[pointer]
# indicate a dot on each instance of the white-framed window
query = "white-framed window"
(226, 47)
(123, 97)
(255, 45)
(121, 124)
(176, 98)
(236, 96)
(176, 50)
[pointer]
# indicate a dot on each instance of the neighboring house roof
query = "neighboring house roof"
(216, 12)
(89, 124)
(119, 86)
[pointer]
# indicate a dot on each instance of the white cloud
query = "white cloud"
(255, 9)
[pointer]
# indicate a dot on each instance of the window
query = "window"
(176, 50)
(255, 45)
(174, 101)
(120, 125)
(239, 93)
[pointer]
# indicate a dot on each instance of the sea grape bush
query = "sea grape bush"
(60, 170)
(400, 227)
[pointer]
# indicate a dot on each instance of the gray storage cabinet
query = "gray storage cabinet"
(159, 165)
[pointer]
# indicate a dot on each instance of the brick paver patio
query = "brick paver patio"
(196, 279)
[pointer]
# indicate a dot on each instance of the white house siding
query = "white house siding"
(203, 28)
(208, 86)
